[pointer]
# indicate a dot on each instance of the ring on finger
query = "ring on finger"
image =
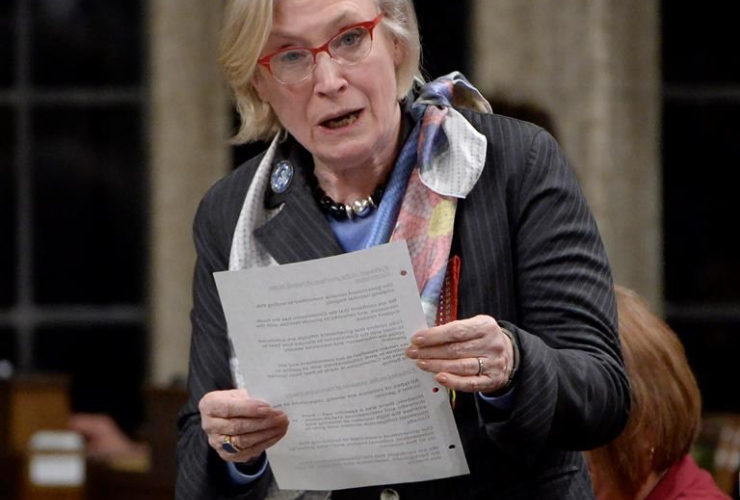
(480, 367)
(228, 446)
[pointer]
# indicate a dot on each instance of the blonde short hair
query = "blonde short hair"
(666, 403)
(246, 27)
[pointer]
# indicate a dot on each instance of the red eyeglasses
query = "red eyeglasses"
(349, 46)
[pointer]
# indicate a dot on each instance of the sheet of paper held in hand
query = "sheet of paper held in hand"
(324, 341)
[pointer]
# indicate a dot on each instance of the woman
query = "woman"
(651, 460)
(359, 158)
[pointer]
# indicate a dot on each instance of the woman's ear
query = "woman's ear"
(259, 86)
(398, 52)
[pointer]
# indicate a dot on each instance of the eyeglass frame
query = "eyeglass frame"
(368, 25)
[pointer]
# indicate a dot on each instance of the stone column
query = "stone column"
(594, 67)
(189, 126)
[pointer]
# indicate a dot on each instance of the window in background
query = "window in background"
(72, 195)
(87, 43)
(88, 205)
(8, 351)
(7, 209)
(712, 347)
(701, 158)
(444, 28)
(698, 45)
(7, 44)
(701, 73)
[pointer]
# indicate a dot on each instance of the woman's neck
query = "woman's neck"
(351, 184)
(345, 183)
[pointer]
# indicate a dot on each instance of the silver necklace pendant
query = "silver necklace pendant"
(363, 206)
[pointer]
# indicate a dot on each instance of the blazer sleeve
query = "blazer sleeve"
(571, 390)
(202, 474)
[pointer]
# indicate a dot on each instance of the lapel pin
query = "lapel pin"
(281, 177)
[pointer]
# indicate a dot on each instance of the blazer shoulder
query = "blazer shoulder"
(500, 129)
(226, 197)
(235, 184)
(219, 209)
(514, 146)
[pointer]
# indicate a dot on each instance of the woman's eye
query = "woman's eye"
(292, 56)
(351, 37)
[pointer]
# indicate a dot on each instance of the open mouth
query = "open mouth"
(341, 121)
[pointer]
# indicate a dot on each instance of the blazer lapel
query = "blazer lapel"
(299, 232)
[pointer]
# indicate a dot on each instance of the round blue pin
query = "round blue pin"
(281, 177)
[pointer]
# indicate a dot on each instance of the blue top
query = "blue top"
(352, 235)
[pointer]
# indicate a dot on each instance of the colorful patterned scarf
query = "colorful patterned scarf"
(440, 162)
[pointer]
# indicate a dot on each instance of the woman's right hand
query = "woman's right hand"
(249, 425)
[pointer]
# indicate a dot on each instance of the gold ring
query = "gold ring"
(480, 366)
(228, 446)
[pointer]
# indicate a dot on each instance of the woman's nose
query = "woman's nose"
(328, 75)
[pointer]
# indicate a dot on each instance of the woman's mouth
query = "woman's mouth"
(341, 121)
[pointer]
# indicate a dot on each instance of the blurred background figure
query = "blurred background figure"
(104, 439)
(651, 459)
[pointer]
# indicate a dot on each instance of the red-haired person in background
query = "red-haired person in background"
(650, 460)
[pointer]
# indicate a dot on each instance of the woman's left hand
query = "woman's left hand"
(470, 355)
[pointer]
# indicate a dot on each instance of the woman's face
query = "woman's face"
(346, 116)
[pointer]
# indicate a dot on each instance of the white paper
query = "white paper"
(324, 341)
(56, 469)
(55, 440)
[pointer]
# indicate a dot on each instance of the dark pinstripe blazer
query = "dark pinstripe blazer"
(531, 257)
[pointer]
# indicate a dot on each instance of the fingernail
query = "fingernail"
(416, 339)
(422, 364)
(412, 352)
(442, 379)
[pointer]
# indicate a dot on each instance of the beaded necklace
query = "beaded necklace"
(341, 211)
